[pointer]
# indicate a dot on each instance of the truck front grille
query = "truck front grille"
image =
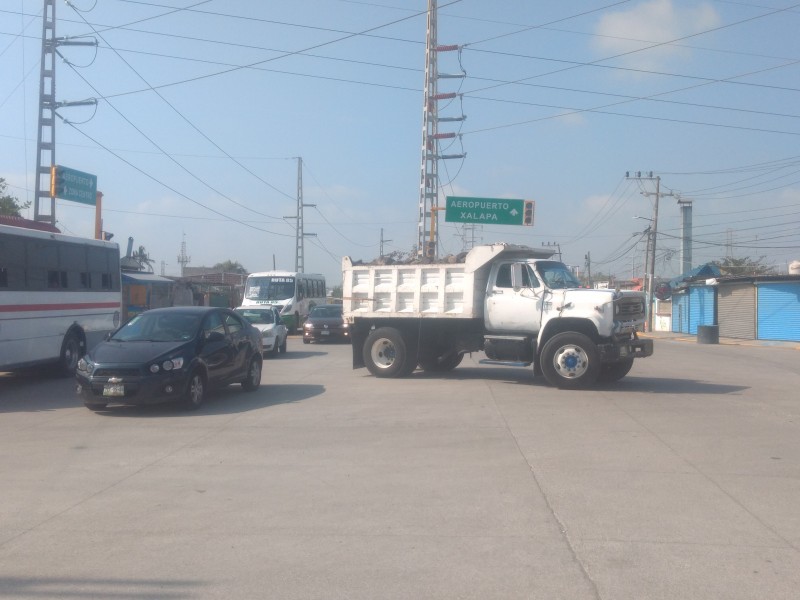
(629, 309)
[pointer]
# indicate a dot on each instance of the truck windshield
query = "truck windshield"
(270, 288)
(556, 275)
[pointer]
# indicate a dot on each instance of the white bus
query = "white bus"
(295, 294)
(59, 296)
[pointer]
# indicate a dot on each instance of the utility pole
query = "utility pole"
(651, 239)
(589, 268)
(429, 169)
(46, 136)
(468, 238)
(686, 234)
(554, 245)
(382, 242)
(300, 234)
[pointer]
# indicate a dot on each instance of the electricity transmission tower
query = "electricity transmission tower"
(300, 234)
(46, 136)
(427, 234)
(183, 258)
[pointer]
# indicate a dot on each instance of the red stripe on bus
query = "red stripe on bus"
(44, 307)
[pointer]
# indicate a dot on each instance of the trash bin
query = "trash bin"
(708, 334)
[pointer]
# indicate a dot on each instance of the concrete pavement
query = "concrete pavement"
(681, 481)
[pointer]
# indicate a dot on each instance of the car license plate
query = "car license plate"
(325, 332)
(114, 390)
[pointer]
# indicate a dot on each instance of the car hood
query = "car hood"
(322, 321)
(265, 328)
(132, 352)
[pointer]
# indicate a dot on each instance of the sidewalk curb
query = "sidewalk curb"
(678, 337)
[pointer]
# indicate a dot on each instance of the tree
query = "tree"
(230, 266)
(143, 258)
(336, 292)
(744, 266)
(9, 205)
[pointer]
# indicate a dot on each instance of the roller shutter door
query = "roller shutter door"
(702, 307)
(779, 311)
(680, 313)
(737, 311)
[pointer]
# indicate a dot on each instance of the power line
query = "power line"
(186, 120)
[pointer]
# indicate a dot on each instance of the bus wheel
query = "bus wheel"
(70, 354)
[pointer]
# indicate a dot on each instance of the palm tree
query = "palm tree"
(143, 258)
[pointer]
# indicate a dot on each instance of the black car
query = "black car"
(171, 354)
(325, 322)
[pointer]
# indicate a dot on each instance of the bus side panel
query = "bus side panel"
(33, 330)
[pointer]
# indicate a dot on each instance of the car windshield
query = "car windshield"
(159, 327)
(325, 312)
(556, 275)
(257, 316)
(269, 288)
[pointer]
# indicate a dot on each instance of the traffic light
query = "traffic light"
(527, 214)
(56, 182)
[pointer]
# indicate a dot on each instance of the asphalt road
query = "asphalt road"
(680, 482)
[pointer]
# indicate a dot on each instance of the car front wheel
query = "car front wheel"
(253, 379)
(195, 391)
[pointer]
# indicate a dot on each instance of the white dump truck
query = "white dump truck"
(511, 302)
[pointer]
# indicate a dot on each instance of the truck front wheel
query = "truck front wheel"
(386, 354)
(570, 360)
(611, 372)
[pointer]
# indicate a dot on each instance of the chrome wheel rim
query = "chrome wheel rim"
(383, 353)
(571, 362)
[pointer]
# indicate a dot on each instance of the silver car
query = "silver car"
(267, 319)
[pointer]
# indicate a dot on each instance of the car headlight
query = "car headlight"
(168, 365)
(345, 325)
(308, 326)
(83, 365)
(175, 363)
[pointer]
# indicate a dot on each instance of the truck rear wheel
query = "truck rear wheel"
(386, 354)
(440, 364)
(570, 360)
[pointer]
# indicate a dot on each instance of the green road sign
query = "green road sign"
(72, 185)
(489, 211)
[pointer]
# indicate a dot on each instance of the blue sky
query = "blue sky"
(203, 107)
